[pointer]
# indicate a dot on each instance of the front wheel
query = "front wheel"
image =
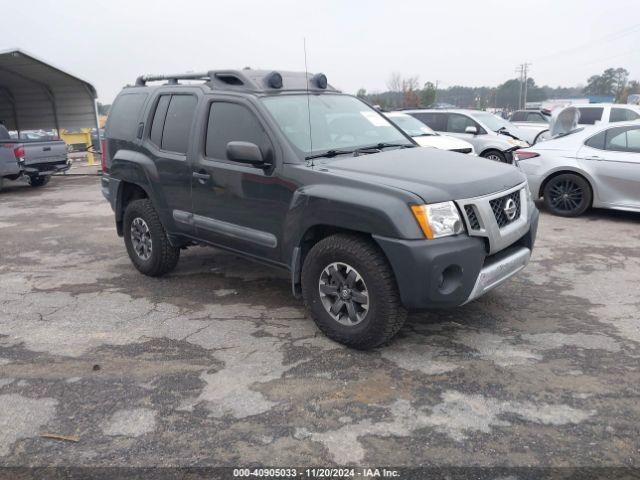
(567, 195)
(146, 240)
(351, 292)
(494, 155)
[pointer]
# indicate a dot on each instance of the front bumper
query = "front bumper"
(452, 271)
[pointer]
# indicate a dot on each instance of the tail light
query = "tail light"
(103, 161)
(19, 152)
(524, 155)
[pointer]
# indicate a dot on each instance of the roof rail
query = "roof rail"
(247, 80)
(142, 80)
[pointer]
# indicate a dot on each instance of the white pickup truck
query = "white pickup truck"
(35, 160)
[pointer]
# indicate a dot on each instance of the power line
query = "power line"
(606, 38)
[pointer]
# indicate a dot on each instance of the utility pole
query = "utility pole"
(520, 70)
(435, 98)
(525, 68)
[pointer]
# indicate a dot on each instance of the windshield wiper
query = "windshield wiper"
(378, 146)
(381, 145)
(328, 154)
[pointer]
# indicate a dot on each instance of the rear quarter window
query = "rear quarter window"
(124, 115)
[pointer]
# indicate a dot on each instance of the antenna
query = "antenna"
(306, 74)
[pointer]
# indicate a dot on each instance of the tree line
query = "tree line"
(405, 92)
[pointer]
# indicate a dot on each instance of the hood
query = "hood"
(442, 142)
(434, 175)
(564, 120)
(515, 131)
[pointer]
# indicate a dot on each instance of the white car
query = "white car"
(533, 123)
(594, 113)
(425, 137)
(595, 166)
(492, 137)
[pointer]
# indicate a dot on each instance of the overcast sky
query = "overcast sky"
(355, 43)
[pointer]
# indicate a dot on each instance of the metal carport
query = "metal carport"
(36, 95)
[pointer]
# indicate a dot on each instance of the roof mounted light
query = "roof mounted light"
(274, 80)
(320, 80)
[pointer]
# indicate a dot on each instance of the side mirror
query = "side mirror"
(471, 129)
(245, 152)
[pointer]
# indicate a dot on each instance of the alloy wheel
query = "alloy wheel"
(343, 293)
(141, 238)
(566, 195)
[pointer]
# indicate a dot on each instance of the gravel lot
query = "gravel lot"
(217, 364)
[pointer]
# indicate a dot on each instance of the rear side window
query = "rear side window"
(124, 116)
(623, 115)
(437, 121)
(231, 122)
(589, 116)
(623, 139)
(177, 124)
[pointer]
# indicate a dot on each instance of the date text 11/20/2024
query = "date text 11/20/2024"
(316, 472)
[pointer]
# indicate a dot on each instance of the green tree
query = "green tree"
(428, 94)
(612, 81)
(362, 93)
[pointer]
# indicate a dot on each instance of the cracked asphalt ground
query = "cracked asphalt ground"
(217, 364)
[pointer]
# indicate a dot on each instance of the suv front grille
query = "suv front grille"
(498, 206)
(461, 150)
(474, 224)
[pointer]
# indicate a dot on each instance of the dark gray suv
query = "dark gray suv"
(283, 168)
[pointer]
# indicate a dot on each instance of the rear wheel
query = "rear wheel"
(351, 293)
(146, 240)
(38, 181)
(495, 155)
(567, 195)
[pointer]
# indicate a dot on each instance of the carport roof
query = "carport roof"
(37, 95)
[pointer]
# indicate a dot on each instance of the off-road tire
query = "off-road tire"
(561, 181)
(38, 181)
(164, 257)
(385, 316)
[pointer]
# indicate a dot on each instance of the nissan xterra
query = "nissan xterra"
(283, 168)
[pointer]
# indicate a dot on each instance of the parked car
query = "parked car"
(425, 136)
(491, 136)
(596, 166)
(36, 159)
(533, 123)
(284, 169)
(607, 113)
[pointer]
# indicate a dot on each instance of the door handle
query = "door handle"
(593, 157)
(201, 176)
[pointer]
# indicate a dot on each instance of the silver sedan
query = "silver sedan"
(589, 167)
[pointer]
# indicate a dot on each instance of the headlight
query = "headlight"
(518, 143)
(438, 219)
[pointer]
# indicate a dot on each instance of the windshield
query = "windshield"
(338, 122)
(491, 121)
(411, 125)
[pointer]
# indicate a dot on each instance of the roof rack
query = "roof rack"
(142, 80)
(246, 79)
